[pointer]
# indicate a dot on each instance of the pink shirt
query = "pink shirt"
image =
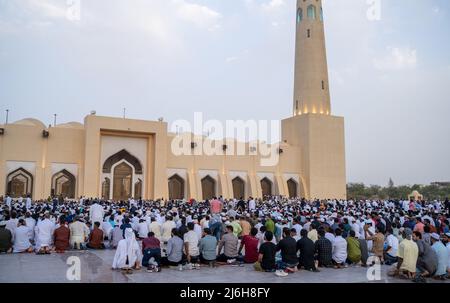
(216, 206)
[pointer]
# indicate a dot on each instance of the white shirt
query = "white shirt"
(28, 203)
(330, 237)
(96, 213)
(252, 204)
(21, 239)
(142, 229)
(192, 239)
(44, 232)
(198, 231)
(392, 241)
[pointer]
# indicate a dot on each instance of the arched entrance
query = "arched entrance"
(138, 189)
(63, 184)
(19, 183)
(292, 188)
(176, 187)
(266, 187)
(238, 188)
(123, 180)
(208, 188)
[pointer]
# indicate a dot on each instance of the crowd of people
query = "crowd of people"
(275, 234)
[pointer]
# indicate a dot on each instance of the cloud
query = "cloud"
(231, 59)
(200, 15)
(397, 59)
(46, 8)
(272, 5)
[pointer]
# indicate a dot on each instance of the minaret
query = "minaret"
(311, 89)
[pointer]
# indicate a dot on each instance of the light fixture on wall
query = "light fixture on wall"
(2, 131)
(45, 133)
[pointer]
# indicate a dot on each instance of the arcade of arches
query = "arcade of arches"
(266, 187)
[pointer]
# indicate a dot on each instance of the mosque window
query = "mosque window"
(323, 84)
(299, 15)
(312, 12)
(309, 33)
(321, 14)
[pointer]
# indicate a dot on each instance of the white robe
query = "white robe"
(127, 247)
(28, 203)
(96, 213)
(21, 239)
(44, 233)
(31, 223)
(8, 202)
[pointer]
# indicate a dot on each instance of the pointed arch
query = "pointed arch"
(238, 188)
(119, 156)
(266, 187)
(106, 187)
(122, 182)
(176, 187)
(208, 187)
(19, 183)
(64, 183)
(292, 188)
(311, 12)
(299, 15)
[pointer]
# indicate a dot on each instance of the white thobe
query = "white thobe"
(96, 213)
(8, 202)
(31, 223)
(339, 250)
(44, 233)
(28, 203)
(127, 248)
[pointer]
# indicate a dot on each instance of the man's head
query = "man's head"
(96, 224)
(286, 232)
(352, 233)
(254, 231)
(416, 236)
(304, 233)
(190, 226)
(435, 238)
(151, 234)
(229, 229)
(268, 236)
(207, 231)
(407, 233)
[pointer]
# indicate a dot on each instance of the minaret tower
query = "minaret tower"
(311, 89)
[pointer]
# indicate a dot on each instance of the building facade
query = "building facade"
(117, 158)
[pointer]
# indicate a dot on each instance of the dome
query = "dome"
(30, 122)
(75, 125)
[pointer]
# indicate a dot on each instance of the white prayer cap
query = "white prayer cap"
(435, 236)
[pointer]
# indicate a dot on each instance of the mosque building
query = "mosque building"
(119, 158)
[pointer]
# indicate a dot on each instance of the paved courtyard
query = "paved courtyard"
(96, 268)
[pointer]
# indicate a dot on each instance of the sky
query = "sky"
(234, 59)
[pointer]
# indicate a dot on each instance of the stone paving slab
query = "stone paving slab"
(96, 268)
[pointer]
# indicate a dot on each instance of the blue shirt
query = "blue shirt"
(208, 245)
(442, 254)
